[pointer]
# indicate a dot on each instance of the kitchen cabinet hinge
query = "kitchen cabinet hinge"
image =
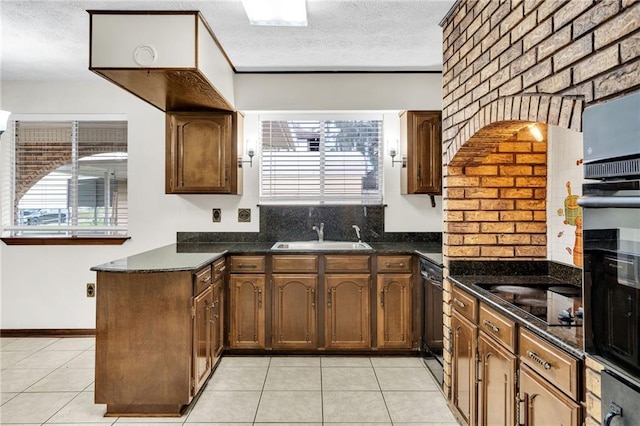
(193, 312)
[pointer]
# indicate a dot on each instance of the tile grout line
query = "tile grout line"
(264, 383)
(381, 393)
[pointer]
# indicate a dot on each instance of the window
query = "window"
(321, 161)
(67, 178)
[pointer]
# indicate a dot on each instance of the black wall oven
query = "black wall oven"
(611, 247)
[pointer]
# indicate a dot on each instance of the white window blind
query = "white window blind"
(68, 178)
(321, 160)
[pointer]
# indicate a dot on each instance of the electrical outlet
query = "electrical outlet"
(216, 215)
(244, 215)
(91, 290)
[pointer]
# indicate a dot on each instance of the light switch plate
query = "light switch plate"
(216, 215)
(244, 215)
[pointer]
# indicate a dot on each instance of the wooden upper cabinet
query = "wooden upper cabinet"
(294, 311)
(347, 318)
(202, 153)
(421, 142)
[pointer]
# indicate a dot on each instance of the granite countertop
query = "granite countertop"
(570, 339)
(192, 256)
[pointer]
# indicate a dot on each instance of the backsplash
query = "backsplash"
(287, 223)
(566, 273)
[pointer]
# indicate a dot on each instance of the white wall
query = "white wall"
(44, 286)
(564, 167)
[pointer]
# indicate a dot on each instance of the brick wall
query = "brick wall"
(508, 64)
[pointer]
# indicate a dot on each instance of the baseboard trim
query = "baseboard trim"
(47, 332)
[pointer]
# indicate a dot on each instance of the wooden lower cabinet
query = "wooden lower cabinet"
(394, 313)
(543, 404)
(347, 317)
(295, 311)
(202, 339)
(496, 383)
(247, 311)
(217, 320)
(463, 367)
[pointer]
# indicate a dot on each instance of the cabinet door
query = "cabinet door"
(347, 319)
(294, 311)
(463, 367)
(496, 384)
(422, 130)
(199, 153)
(247, 320)
(217, 321)
(394, 311)
(202, 339)
(544, 404)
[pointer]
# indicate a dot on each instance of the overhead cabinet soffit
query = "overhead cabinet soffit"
(171, 60)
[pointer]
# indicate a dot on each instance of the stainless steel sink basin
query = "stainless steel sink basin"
(320, 245)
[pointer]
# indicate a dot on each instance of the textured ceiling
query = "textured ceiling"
(49, 40)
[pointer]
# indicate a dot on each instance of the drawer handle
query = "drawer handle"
(536, 358)
(247, 265)
(394, 265)
(221, 269)
(207, 280)
(259, 298)
(459, 302)
(491, 325)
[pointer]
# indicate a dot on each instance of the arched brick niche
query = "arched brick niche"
(495, 202)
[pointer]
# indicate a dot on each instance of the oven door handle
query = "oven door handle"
(605, 202)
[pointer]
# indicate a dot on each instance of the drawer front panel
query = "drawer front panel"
(337, 263)
(295, 263)
(247, 264)
(394, 264)
(203, 280)
(465, 304)
(498, 327)
(219, 268)
(550, 362)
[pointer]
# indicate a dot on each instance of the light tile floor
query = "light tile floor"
(50, 381)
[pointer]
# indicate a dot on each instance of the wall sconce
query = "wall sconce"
(392, 153)
(4, 120)
(250, 152)
(536, 133)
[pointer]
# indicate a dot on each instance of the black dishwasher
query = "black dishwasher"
(431, 274)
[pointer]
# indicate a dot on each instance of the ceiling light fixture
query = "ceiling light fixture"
(276, 12)
(536, 133)
(4, 119)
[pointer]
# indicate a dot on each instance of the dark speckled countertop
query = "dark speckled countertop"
(569, 339)
(192, 256)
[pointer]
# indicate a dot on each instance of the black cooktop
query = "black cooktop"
(556, 305)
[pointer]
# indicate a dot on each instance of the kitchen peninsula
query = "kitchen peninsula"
(164, 316)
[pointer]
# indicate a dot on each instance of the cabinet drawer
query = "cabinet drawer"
(465, 304)
(219, 267)
(394, 264)
(202, 280)
(498, 327)
(550, 362)
(334, 263)
(247, 264)
(294, 263)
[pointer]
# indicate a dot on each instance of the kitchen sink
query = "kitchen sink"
(320, 245)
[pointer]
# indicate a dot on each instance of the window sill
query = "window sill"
(63, 241)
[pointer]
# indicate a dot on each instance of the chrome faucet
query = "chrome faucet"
(320, 231)
(357, 232)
